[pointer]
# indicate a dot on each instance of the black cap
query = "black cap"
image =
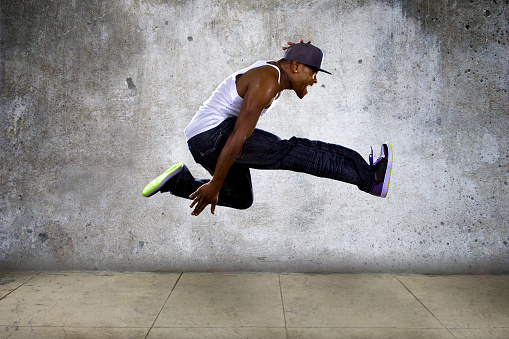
(306, 54)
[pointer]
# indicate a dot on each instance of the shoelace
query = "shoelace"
(377, 160)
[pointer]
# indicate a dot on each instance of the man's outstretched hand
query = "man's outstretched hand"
(204, 195)
(289, 43)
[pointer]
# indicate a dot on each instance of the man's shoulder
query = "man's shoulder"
(264, 78)
(264, 72)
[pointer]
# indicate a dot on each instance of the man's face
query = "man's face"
(305, 78)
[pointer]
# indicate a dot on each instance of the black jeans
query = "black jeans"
(263, 150)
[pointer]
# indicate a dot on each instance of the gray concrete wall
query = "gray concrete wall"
(95, 96)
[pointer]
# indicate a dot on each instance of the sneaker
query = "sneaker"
(155, 185)
(383, 168)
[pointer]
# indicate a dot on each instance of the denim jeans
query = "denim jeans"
(265, 151)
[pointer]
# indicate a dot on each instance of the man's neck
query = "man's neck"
(285, 80)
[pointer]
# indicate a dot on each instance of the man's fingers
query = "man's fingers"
(195, 211)
(194, 202)
(199, 208)
(201, 200)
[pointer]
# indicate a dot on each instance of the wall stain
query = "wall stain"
(43, 237)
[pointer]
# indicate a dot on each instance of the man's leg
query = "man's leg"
(236, 191)
(264, 150)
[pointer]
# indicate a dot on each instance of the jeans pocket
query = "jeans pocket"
(211, 141)
(212, 145)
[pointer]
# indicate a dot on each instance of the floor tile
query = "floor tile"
(484, 333)
(218, 333)
(463, 301)
(352, 301)
(9, 281)
(88, 300)
(368, 333)
(224, 300)
(71, 333)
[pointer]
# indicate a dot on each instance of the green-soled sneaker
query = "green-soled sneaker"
(155, 185)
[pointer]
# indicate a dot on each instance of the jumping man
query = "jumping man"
(223, 138)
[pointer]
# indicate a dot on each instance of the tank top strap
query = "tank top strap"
(278, 70)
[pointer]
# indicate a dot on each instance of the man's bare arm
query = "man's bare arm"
(258, 89)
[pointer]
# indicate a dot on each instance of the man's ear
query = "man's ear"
(295, 66)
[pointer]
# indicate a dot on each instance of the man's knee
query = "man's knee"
(244, 205)
(244, 202)
(239, 203)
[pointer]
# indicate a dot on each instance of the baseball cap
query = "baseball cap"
(306, 54)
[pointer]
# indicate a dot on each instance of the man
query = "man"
(223, 138)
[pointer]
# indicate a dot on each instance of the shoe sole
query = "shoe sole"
(155, 185)
(388, 171)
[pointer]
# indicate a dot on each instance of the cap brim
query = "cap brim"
(322, 70)
(318, 69)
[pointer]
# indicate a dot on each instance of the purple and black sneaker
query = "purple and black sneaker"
(382, 167)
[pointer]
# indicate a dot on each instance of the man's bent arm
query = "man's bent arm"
(258, 95)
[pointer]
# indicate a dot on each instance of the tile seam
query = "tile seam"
(5, 296)
(283, 305)
(427, 309)
(162, 307)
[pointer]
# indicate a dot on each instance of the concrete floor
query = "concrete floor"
(192, 305)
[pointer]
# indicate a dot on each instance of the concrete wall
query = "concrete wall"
(95, 96)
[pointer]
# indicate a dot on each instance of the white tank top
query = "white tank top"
(224, 103)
